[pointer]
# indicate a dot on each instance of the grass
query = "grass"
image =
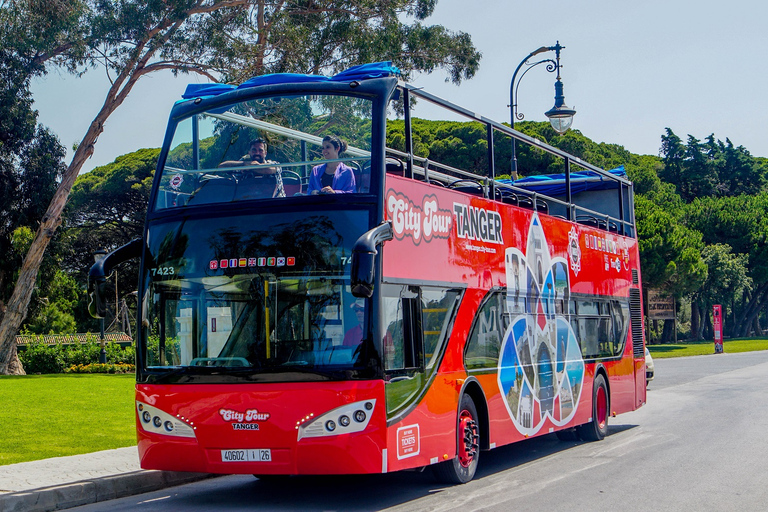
(44, 416)
(700, 348)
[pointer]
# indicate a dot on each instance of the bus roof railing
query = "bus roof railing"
(448, 174)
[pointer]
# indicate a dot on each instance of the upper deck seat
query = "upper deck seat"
(292, 183)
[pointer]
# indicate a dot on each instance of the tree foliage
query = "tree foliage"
(232, 39)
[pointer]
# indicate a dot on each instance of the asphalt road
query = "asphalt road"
(698, 444)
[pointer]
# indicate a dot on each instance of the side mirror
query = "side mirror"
(97, 277)
(97, 299)
(362, 272)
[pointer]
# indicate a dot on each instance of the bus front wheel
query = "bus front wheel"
(461, 469)
(597, 429)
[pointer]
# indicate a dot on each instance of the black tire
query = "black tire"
(461, 469)
(597, 429)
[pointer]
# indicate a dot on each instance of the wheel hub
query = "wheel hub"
(469, 445)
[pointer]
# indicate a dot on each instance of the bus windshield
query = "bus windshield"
(267, 293)
(214, 156)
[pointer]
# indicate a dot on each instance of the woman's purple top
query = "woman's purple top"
(343, 179)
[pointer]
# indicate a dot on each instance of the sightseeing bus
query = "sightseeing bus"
(423, 311)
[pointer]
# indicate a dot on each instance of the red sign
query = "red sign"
(717, 316)
(407, 441)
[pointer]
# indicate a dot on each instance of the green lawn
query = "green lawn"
(700, 348)
(44, 416)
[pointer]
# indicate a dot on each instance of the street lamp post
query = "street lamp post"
(560, 116)
(99, 255)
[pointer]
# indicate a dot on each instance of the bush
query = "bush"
(101, 368)
(40, 357)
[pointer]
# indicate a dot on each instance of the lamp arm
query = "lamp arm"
(551, 67)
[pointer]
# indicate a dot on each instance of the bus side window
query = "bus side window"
(484, 342)
(393, 334)
(437, 308)
(403, 343)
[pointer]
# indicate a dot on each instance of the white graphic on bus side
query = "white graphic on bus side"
(541, 370)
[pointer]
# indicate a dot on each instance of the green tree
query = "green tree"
(670, 253)
(106, 209)
(233, 39)
(742, 223)
(727, 280)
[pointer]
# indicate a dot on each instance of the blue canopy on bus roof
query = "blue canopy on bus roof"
(361, 72)
(554, 184)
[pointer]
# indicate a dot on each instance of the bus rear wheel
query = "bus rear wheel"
(461, 469)
(597, 429)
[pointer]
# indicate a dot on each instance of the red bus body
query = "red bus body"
(427, 434)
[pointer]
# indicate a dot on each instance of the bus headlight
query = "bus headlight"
(159, 422)
(338, 421)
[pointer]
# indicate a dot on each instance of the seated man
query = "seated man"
(354, 336)
(257, 183)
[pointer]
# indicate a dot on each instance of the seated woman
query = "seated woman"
(333, 177)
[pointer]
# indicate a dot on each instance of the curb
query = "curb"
(85, 492)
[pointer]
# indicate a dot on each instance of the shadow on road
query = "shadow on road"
(365, 492)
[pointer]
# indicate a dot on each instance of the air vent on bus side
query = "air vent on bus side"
(636, 319)
(635, 277)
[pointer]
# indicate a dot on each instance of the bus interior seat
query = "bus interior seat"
(362, 178)
(527, 202)
(589, 220)
(508, 197)
(395, 166)
(329, 355)
(468, 187)
(292, 183)
(214, 189)
(254, 188)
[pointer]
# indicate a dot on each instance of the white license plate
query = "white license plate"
(247, 455)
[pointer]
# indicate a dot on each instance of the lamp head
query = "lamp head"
(560, 116)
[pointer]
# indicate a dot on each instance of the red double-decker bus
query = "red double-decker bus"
(311, 306)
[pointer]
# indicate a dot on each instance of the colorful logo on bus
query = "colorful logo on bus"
(541, 371)
(420, 222)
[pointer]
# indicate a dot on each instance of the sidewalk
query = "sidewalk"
(65, 482)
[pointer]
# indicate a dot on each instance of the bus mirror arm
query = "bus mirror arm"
(97, 277)
(364, 258)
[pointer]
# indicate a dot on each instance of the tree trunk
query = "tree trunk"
(744, 321)
(709, 329)
(695, 321)
(668, 331)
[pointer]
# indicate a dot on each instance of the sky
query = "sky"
(629, 69)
